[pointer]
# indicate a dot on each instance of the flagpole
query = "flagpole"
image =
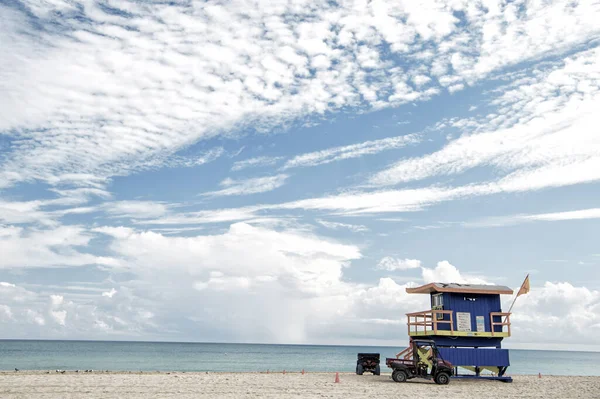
(515, 300)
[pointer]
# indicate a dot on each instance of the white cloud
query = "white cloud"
(79, 180)
(408, 200)
(571, 313)
(208, 216)
(5, 312)
(541, 135)
(83, 316)
(59, 316)
(445, 272)
(226, 283)
(583, 214)
(392, 264)
(255, 162)
(349, 203)
(355, 228)
(297, 282)
(109, 294)
(25, 248)
(454, 88)
(249, 186)
(136, 209)
(351, 151)
(189, 161)
(36, 317)
(23, 212)
(569, 215)
(44, 212)
(56, 300)
(76, 196)
(264, 251)
(151, 92)
(258, 267)
(421, 79)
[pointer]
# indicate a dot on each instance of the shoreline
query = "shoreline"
(269, 372)
(294, 384)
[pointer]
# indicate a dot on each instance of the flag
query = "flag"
(525, 287)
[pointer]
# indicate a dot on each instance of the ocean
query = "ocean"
(169, 356)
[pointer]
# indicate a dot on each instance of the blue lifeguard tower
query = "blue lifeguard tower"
(467, 324)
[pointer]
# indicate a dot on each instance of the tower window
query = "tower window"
(437, 303)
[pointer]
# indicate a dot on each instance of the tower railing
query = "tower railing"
(430, 322)
(504, 321)
(421, 321)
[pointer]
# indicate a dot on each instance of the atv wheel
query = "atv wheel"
(399, 376)
(442, 378)
(377, 370)
(359, 369)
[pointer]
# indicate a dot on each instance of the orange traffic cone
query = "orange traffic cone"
(302, 371)
(337, 377)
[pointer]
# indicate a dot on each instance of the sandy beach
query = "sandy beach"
(277, 385)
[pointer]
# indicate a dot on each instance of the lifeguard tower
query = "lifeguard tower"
(467, 324)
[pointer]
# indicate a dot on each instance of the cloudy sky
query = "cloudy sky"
(280, 171)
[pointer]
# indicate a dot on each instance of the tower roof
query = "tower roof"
(460, 288)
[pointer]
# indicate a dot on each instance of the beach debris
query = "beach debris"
(16, 369)
(337, 377)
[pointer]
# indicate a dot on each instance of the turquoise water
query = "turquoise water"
(163, 356)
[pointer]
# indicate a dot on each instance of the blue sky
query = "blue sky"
(282, 171)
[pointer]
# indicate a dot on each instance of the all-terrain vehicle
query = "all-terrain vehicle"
(368, 362)
(422, 360)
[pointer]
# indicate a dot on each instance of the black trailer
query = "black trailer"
(368, 362)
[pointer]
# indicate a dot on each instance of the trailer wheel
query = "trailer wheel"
(360, 369)
(377, 370)
(442, 378)
(399, 376)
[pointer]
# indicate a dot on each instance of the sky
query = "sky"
(281, 171)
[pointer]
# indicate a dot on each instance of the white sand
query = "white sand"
(276, 385)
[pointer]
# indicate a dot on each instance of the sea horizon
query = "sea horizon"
(400, 346)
